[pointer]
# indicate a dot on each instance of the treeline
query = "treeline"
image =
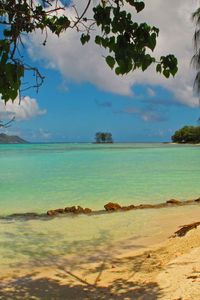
(187, 134)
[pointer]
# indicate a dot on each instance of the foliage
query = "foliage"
(128, 43)
(103, 137)
(187, 134)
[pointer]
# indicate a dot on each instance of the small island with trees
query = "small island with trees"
(187, 134)
(103, 138)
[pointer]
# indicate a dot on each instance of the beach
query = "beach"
(99, 150)
(119, 255)
(166, 270)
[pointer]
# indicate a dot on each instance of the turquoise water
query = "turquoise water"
(38, 177)
(41, 177)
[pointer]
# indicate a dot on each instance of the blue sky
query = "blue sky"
(80, 96)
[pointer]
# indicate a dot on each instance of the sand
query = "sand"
(169, 270)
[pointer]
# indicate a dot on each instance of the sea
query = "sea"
(40, 177)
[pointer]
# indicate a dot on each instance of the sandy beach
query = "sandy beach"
(122, 255)
(99, 150)
(169, 270)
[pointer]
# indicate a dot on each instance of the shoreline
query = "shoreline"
(108, 208)
(164, 270)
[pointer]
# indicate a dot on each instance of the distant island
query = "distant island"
(11, 139)
(187, 134)
(103, 138)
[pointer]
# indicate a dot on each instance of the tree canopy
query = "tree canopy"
(129, 44)
(187, 134)
(103, 137)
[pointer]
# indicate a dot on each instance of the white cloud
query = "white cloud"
(26, 109)
(85, 63)
(147, 115)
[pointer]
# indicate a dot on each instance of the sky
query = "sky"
(81, 95)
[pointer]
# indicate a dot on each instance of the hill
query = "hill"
(11, 139)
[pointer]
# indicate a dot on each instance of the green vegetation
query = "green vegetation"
(129, 44)
(187, 134)
(103, 137)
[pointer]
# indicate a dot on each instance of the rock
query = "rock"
(188, 202)
(160, 205)
(112, 206)
(197, 200)
(60, 210)
(71, 209)
(77, 210)
(173, 201)
(129, 207)
(143, 206)
(51, 213)
(87, 210)
(184, 229)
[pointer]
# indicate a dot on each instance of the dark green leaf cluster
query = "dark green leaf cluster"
(103, 137)
(10, 73)
(187, 134)
(129, 42)
(16, 18)
(168, 65)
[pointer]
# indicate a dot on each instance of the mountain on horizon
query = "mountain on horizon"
(11, 139)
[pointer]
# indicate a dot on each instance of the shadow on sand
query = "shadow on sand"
(89, 259)
(29, 288)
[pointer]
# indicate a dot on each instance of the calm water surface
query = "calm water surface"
(44, 176)
(40, 177)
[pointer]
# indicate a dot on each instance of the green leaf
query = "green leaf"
(98, 40)
(110, 61)
(85, 38)
(158, 68)
(152, 41)
(174, 71)
(166, 73)
(117, 71)
(139, 6)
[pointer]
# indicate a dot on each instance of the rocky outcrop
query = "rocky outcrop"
(143, 206)
(173, 201)
(129, 207)
(184, 229)
(112, 206)
(71, 209)
(109, 207)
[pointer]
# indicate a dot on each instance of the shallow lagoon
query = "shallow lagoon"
(41, 177)
(38, 177)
